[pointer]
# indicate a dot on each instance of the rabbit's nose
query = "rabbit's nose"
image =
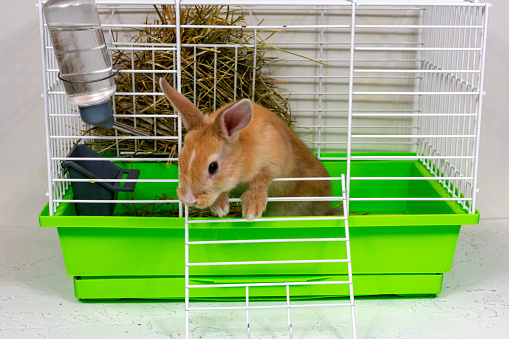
(189, 197)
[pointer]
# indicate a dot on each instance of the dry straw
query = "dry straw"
(211, 76)
(172, 210)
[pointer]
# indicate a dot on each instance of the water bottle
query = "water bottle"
(82, 56)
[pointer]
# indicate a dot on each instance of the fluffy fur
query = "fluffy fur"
(251, 146)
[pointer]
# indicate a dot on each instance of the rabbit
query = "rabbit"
(243, 143)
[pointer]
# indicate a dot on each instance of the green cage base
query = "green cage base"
(399, 248)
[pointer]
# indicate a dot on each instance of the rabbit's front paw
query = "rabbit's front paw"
(221, 206)
(253, 204)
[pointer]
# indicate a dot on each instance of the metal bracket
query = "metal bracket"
(113, 73)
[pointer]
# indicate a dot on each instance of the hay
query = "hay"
(227, 69)
(171, 210)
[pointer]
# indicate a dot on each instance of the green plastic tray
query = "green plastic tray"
(400, 247)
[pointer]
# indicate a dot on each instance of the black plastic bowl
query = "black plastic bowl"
(96, 169)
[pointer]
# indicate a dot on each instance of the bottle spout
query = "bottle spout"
(129, 129)
(101, 115)
(98, 115)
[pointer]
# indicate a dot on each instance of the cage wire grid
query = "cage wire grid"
(363, 83)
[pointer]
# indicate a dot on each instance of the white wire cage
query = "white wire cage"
(371, 81)
(414, 86)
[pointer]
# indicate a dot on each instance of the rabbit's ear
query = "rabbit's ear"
(234, 119)
(191, 116)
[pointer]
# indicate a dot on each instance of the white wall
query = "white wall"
(493, 198)
(22, 142)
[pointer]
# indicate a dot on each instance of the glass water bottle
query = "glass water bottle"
(82, 56)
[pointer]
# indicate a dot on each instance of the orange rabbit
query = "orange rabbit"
(243, 143)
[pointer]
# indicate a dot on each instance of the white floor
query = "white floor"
(37, 300)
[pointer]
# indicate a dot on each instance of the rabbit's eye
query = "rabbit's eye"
(213, 167)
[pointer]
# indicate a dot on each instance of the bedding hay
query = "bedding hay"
(204, 66)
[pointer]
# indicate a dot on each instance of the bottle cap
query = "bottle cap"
(98, 115)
